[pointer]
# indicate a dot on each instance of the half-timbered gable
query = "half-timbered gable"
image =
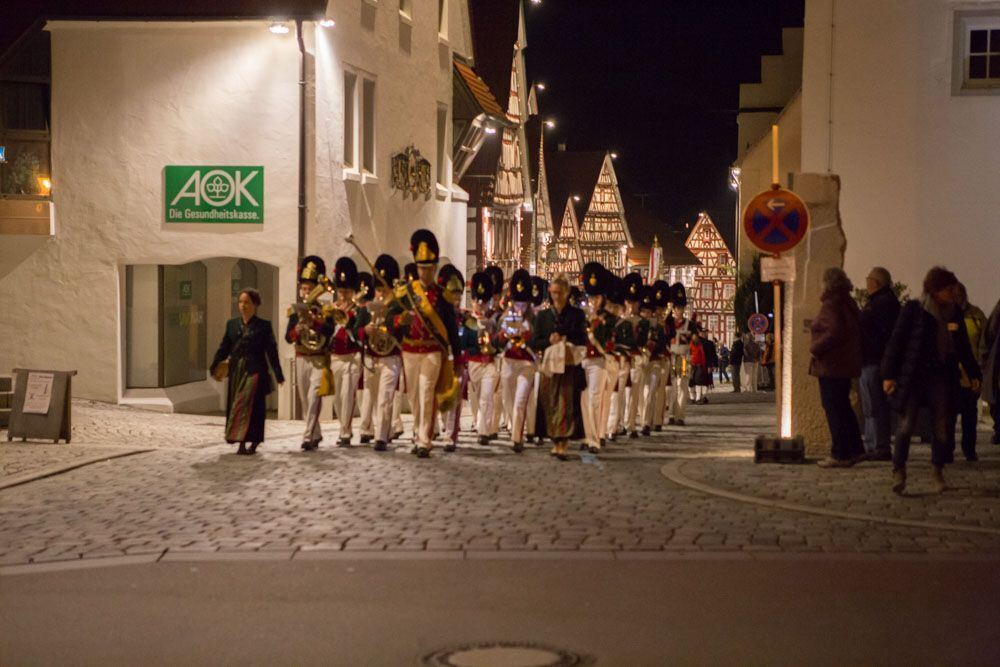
(565, 255)
(715, 280)
(604, 234)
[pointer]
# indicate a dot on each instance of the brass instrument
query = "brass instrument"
(310, 312)
(514, 323)
(380, 340)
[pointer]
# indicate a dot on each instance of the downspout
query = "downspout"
(302, 138)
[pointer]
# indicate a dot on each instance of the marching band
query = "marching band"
(531, 358)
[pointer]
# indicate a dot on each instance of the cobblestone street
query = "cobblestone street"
(686, 491)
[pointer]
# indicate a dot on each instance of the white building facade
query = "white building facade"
(135, 301)
(899, 99)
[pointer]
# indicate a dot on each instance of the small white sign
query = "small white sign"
(777, 268)
(38, 393)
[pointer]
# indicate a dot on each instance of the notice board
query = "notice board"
(42, 405)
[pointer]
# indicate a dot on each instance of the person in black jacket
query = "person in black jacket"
(921, 367)
(736, 360)
(878, 318)
(248, 347)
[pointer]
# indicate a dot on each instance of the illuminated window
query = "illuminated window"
(976, 56)
(350, 115)
(368, 125)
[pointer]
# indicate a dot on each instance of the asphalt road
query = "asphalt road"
(370, 612)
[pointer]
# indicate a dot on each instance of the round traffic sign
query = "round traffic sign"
(758, 324)
(776, 220)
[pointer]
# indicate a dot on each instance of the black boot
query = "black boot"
(242, 449)
(365, 439)
(518, 447)
(645, 430)
(381, 446)
(253, 448)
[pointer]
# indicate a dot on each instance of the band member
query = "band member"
(561, 385)
(409, 275)
(518, 372)
(452, 284)
(599, 332)
(655, 341)
(539, 300)
(430, 340)
(661, 295)
(479, 344)
(619, 359)
(248, 347)
(497, 308)
(638, 354)
(680, 351)
(345, 345)
(386, 365)
(309, 331)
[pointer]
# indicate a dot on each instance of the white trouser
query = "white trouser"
(612, 369)
(379, 393)
(533, 405)
(654, 378)
(639, 374)
(619, 389)
(308, 377)
(397, 409)
(699, 392)
(681, 374)
(516, 380)
(590, 399)
(367, 398)
(422, 370)
(498, 399)
(346, 370)
(750, 369)
(483, 380)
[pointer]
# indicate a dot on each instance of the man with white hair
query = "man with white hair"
(878, 318)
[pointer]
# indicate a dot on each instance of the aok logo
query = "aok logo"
(217, 188)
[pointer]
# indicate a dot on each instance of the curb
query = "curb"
(18, 480)
(672, 471)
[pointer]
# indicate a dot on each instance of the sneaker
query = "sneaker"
(899, 481)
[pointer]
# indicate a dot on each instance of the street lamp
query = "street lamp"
(551, 124)
(327, 23)
(278, 28)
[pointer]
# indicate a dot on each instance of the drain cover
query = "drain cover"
(504, 654)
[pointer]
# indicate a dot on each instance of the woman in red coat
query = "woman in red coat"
(700, 377)
(836, 361)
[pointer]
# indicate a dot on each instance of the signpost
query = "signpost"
(776, 221)
(758, 324)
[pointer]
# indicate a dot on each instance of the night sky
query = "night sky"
(658, 82)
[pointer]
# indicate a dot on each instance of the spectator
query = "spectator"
(968, 400)
(921, 367)
(878, 318)
(711, 358)
(991, 369)
(724, 361)
(751, 362)
(836, 361)
(736, 359)
(767, 362)
(699, 370)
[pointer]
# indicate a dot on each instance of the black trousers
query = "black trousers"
(835, 394)
(968, 410)
(736, 377)
(938, 392)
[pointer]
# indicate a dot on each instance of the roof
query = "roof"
(21, 18)
(707, 220)
(480, 91)
(533, 134)
(495, 26)
(643, 224)
(570, 174)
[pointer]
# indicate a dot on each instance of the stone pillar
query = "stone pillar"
(823, 247)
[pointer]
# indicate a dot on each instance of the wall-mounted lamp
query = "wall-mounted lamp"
(278, 28)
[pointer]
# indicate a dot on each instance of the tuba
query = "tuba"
(380, 341)
(310, 311)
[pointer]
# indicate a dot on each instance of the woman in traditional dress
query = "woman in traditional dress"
(559, 416)
(248, 347)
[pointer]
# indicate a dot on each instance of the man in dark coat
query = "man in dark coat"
(991, 369)
(736, 360)
(878, 318)
(921, 368)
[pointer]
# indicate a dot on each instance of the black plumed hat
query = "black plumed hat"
(661, 293)
(482, 286)
(388, 268)
(424, 246)
(539, 290)
(345, 273)
(632, 285)
(678, 295)
(496, 277)
(410, 271)
(520, 285)
(311, 268)
(594, 278)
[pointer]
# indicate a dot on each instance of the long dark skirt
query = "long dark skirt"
(246, 406)
(559, 417)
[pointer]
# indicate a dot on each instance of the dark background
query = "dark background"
(658, 82)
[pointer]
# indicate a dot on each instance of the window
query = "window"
(443, 18)
(24, 121)
(165, 328)
(442, 144)
(368, 126)
(707, 291)
(350, 111)
(404, 8)
(976, 57)
(728, 291)
(713, 324)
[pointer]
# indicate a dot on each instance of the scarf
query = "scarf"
(943, 315)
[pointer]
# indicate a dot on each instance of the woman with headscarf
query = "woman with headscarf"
(565, 325)
(921, 368)
(248, 348)
(836, 361)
